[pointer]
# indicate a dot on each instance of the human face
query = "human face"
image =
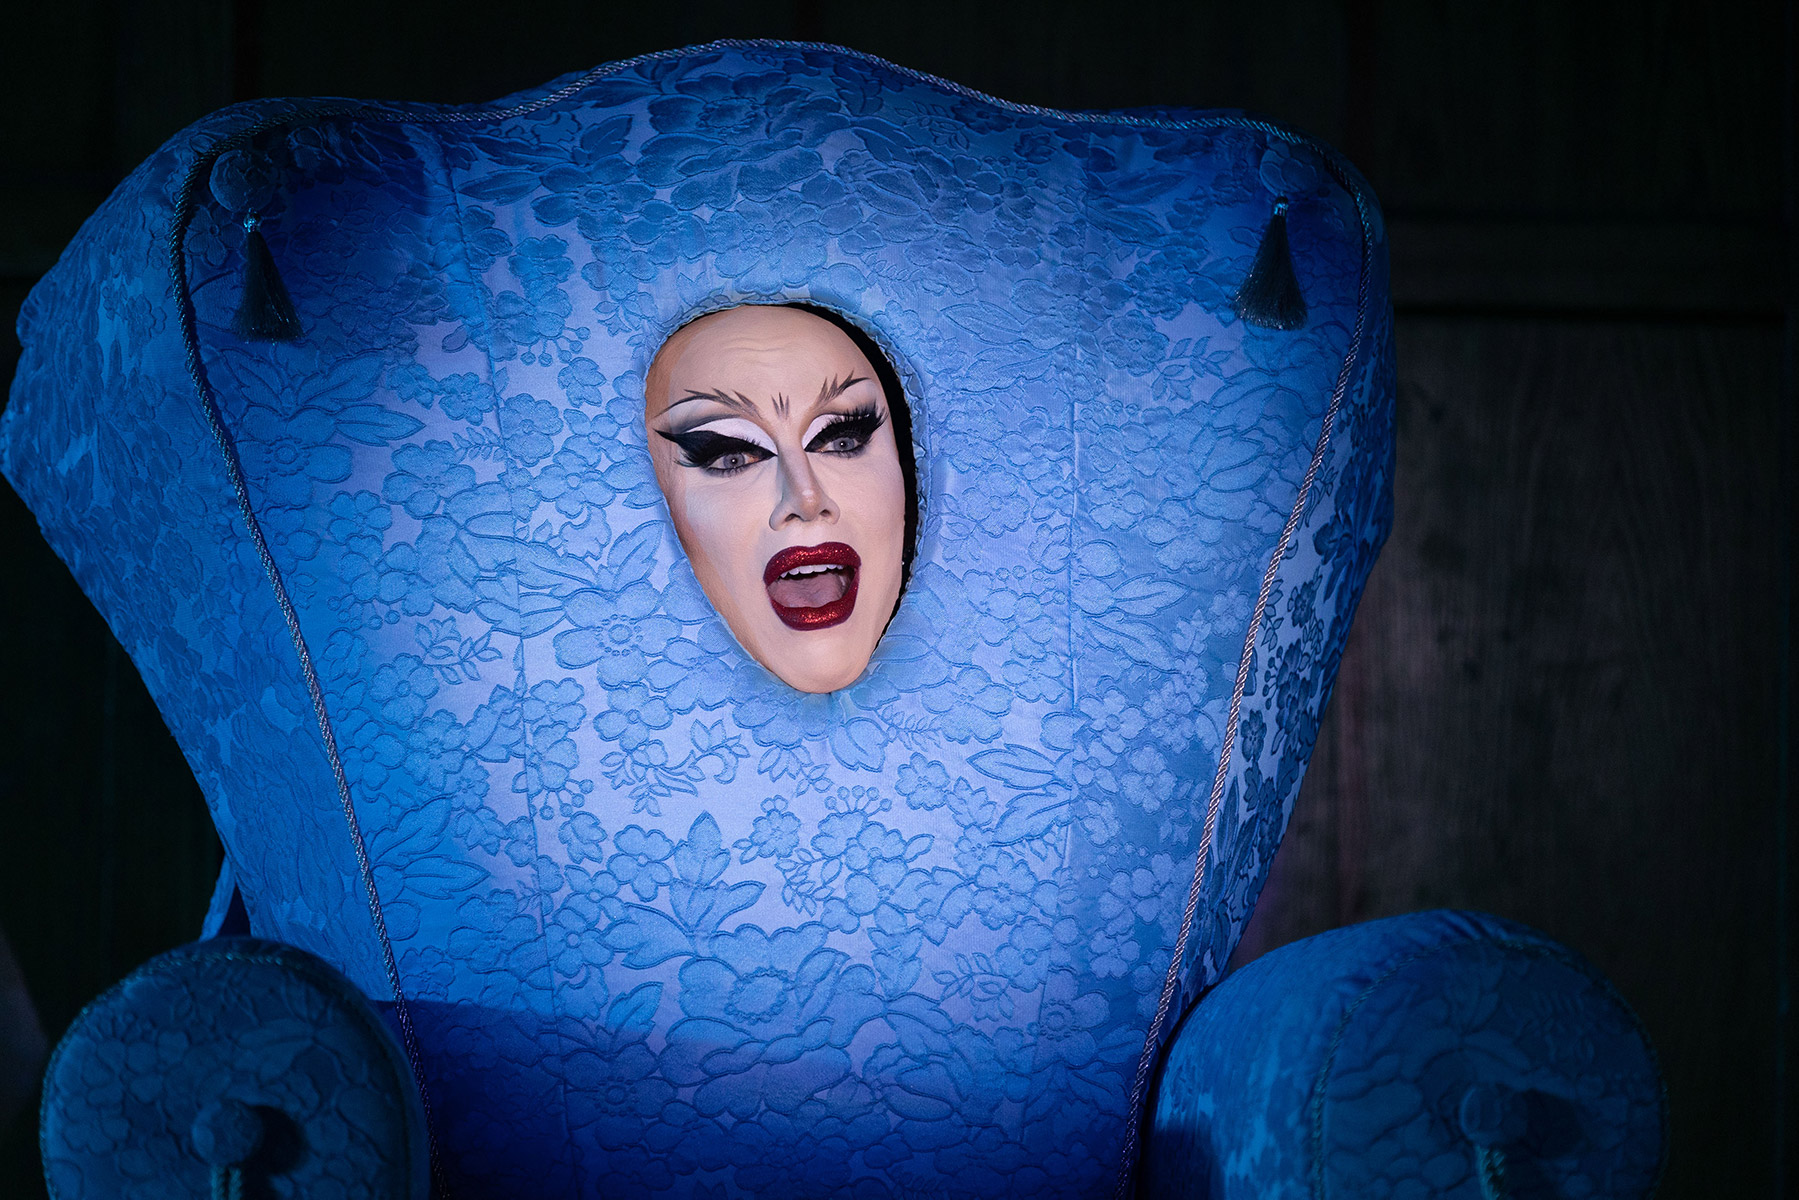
(775, 450)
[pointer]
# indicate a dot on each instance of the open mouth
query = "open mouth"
(813, 587)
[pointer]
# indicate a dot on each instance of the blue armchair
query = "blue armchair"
(335, 410)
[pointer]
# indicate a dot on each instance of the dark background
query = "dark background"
(1566, 699)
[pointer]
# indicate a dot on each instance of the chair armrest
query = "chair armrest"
(1436, 1054)
(230, 1062)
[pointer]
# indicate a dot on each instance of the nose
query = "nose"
(802, 496)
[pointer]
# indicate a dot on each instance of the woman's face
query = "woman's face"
(774, 448)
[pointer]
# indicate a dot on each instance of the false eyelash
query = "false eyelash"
(702, 448)
(860, 423)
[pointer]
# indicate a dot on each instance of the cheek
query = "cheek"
(717, 527)
(883, 497)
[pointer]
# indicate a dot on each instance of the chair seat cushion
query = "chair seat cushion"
(232, 1053)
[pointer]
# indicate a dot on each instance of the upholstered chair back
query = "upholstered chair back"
(397, 571)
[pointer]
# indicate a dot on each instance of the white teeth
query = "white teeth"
(798, 571)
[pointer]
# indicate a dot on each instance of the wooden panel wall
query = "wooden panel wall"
(1566, 697)
(1560, 699)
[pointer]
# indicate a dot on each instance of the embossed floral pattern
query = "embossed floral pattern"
(666, 926)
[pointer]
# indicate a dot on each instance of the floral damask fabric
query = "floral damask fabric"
(1341, 1065)
(658, 924)
(251, 1040)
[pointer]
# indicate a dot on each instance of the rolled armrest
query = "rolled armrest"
(232, 1067)
(1436, 1054)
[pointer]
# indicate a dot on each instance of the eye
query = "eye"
(732, 459)
(718, 453)
(843, 433)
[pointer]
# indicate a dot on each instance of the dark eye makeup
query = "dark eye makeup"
(848, 434)
(717, 452)
(721, 454)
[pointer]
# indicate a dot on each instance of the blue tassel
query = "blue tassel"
(1490, 1161)
(227, 1183)
(265, 313)
(225, 1134)
(1270, 295)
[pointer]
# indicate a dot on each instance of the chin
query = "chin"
(817, 662)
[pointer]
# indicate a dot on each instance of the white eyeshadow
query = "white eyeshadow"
(737, 427)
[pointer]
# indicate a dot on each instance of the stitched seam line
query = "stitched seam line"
(525, 739)
(375, 111)
(1077, 333)
(1113, 120)
(1171, 982)
(183, 216)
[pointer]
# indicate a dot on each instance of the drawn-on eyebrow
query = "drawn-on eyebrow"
(736, 401)
(834, 388)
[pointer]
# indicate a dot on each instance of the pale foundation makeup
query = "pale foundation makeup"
(776, 450)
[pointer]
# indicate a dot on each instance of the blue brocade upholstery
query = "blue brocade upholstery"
(1341, 1066)
(407, 595)
(239, 1026)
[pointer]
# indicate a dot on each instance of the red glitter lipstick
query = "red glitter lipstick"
(813, 587)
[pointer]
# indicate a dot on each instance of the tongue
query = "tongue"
(809, 591)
